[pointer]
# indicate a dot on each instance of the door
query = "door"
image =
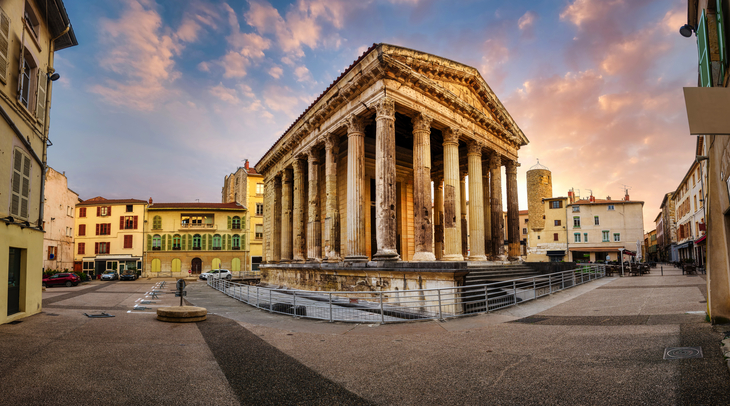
(14, 281)
(196, 265)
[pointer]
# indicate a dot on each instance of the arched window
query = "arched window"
(217, 242)
(156, 265)
(176, 243)
(156, 242)
(236, 223)
(236, 242)
(157, 223)
(196, 242)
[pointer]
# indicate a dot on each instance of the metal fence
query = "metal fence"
(406, 305)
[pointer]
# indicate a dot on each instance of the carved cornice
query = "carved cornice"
(385, 109)
(422, 122)
(355, 125)
(451, 136)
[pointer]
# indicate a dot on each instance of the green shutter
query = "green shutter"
(703, 50)
(228, 242)
(243, 222)
(164, 238)
(243, 241)
(229, 222)
(721, 39)
(149, 242)
(169, 243)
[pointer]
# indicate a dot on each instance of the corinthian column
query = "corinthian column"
(495, 166)
(385, 224)
(332, 219)
(438, 229)
(286, 216)
(276, 255)
(452, 194)
(422, 188)
(513, 210)
(298, 212)
(355, 179)
(487, 207)
(314, 227)
(464, 225)
(476, 202)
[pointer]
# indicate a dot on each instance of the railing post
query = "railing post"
(514, 292)
(330, 295)
(257, 296)
(486, 297)
(562, 280)
(550, 283)
(248, 294)
(382, 313)
(534, 288)
(441, 317)
(294, 306)
(271, 303)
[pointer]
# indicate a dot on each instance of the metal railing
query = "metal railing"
(406, 305)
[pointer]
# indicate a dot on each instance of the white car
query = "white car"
(217, 274)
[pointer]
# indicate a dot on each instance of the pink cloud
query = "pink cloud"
(276, 72)
(526, 24)
(225, 94)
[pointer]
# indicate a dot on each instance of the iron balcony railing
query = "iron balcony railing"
(406, 305)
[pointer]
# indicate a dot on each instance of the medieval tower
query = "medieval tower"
(539, 186)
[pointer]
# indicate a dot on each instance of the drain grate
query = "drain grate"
(682, 352)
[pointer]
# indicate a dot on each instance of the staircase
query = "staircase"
(479, 275)
(500, 295)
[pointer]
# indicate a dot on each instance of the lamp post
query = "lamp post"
(621, 258)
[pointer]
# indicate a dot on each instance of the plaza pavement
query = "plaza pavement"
(598, 343)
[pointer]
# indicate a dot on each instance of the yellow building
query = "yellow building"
(549, 243)
(30, 32)
(109, 234)
(189, 238)
(246, 187)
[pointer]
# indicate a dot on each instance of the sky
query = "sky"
(164, 98)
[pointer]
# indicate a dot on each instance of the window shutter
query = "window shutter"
(169, 243)
(228, 242)
(40, 108)
(229, 222)
(189, 239)
(109, 210)
(135, 222)
(703, 50)
(96, 248)
(164, 240)
(25, 188)
(4, 45)
(204, 241)
(98, 211)
(121, 222)
(721, 39)
(149, 242)
(82, 229)
(97, 229)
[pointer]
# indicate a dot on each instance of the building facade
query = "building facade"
(109, 235)
(351, 180)
(690, 214)
(185, 239)
(667, 230)
(650, 246)
(31, 32)
(246, 187)
(59, 209)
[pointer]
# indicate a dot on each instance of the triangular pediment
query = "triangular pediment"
(467, 95)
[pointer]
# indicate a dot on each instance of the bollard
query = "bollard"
(662, 268)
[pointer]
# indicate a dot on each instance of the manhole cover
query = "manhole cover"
(682, 352)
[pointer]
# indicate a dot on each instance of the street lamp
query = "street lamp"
(621, 258)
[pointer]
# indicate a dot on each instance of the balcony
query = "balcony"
(236, 248)
(190, 226)
(176, 248)
(156, 248)
(216, 248)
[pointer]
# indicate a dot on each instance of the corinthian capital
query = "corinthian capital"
(385, 108)
(355, 125)
(331, 141)
(510, 167)
(451, 136)
(422, 122)
(474, 147)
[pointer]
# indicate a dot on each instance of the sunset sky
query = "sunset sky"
(164, 98)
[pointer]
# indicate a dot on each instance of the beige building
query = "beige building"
(550, 242)
(246, 187)
(690, 213)
(58, 211)
(351, 180)
(109, 235)
(31, 31)
(189, 238)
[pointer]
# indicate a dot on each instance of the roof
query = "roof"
(94, 201)
(252, 172)
(603, 201)
(524, 212)
(58, 20)
(197, 206)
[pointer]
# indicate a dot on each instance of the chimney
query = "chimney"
(626, 198)
(592, 199)
(608, 197)
(246, 165)
(570, 196)
(150, 200)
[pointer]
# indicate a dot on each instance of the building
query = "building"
(351, 180)
(109, 235)
(602, 230)
(547, 232)
(190, 238)
(246, 187)
(31, 31)
(690, 214)
(58, 211)
(650, 246)
(667, 230)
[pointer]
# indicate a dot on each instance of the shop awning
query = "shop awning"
(596, 249)
(631, 253)
(556, 253)
(701, 240)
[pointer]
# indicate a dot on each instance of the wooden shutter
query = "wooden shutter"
(149, 242)
(703, 49)
(82, 248)
(121, 222)
(109, 210)
(164, 240)
(97, 229)
(169, 243)
(96, 248)
(82, 212)
(4, 45)
(230, 223)
(82, 230)
(40, 108)
(721, 39)
(25, 188)
(98, 211)
(135, 222)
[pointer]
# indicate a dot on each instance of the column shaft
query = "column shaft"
(276, 254)
(286, 216)
(464, 223)
(332, 219)
(438, 229)
(476, 203)
(513, 210)
(314, 226)
(422, 228)
(385, 198)
(452, 195)
(298, 225)
(355, 179)
(495, 165)
(487, 208)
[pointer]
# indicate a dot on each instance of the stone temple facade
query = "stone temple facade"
(348, 188)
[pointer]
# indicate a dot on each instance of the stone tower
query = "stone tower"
(539, 186)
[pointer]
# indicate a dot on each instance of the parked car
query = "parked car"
(128, 276)
(68, 279)
(109, 276)
(217, 274)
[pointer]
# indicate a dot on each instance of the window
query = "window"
(130, 208)
(4, 50)
(82, 230)
(585, 237)
(236, 242)
(52, 253)
(236, 223)
(176, 242)
(69, 211)
(555, 236)
(157, 223)
(197, 242)
(596, 221)
(605, 236)
(69, 232)
(259, 231)
(610, 207)
(103, 211)
(25, 84)
(576, 222)
(82, 212)
(557, 222)
(617, 237)
(101, 248)
(31, 20)
(576, 209)
(156, 242)
(217, 242)
(127, 241)
(259, 209)
(82, 249)
(128, 222)
(103, 229)
(526, 220)
(20, 193)
(576, 237)
(259, 188)
(695, 202)
(556, 204)
(524, 231)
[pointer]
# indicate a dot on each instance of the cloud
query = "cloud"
(225, 94)
(582, 11)
(526, 23)
(282, 99)
(302, 74)
(276, 72)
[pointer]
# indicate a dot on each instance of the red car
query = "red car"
(68, 279)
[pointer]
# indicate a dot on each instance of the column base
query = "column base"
(313, 260)
(285, 261)
(477, 258)
(424, 256)
(452, 257)
(386, 255)
(332, 260)
(356, 258)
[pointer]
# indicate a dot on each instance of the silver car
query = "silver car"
(217, 274)
(109, 276)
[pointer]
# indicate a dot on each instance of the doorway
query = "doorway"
(196, 266)
(14, 281)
